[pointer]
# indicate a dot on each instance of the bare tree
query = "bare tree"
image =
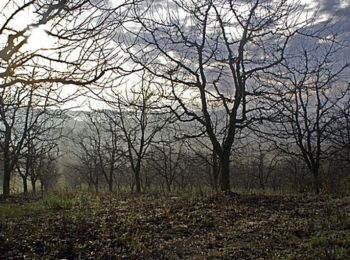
(206, 55)
(77, 55)
(25, 114)
(165, 158)
(41, 139)
(107, 144)
(264, 162)
(140, 117)
(308, 89)
(99, 146)
(202, 148)
(340, 131)
(87, 158)
(41, 164)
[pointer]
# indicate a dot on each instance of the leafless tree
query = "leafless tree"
(27, 114)
(165, 156)
(340, 131)
(308, 89)
(87, 159)
(139, 116)
(206, 55)
(79, 54)
(40, 145)
(108, 144)
(99, 148)
(264, 163)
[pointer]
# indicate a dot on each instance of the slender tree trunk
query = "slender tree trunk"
(317, 183)
(7, 168)
(110, 184)
(6, 179)
(89, 185)
(42, 187)
(215, 171)
(33, 182)
(261, 181)
(24, 177)
(168, 186)
(225, 172)
(137, 180)
(96, 185)
(25, 185)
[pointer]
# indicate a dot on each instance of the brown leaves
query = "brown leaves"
(153, 227)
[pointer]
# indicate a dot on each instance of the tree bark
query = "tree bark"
(42, 187)
(168, 185)
(33, 182)
(215, 171)
(137, 181)
(96, 185)
(25, 185)
(7, 176)
(110, 184)
(317, 183)
(225, 172)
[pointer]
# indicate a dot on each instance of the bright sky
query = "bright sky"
(39, 39)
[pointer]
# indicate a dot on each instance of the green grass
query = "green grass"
(334, 244)
(57, 203)
(15, 211)
(333, 237)
(51, 203)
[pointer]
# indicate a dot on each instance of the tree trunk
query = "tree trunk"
(110, 185)
(225, 172)
(137, 181)
(33, 182)
(215, 171)
(7, 177)
(317, 183)
(6, 182)
(111, 179)
(42, 187)
(96, 185)
(261, 182)
(25, 185)
(168, 185)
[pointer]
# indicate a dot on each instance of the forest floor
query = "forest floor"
(154, 226)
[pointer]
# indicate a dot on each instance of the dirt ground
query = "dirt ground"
(154, 226)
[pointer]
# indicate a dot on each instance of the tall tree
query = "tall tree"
(206, 55)
(340, 131)
(140, 116)
(308, 88)
(75, 51)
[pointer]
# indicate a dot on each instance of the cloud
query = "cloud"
(335, 7)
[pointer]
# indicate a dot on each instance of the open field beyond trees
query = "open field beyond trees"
(187, 226)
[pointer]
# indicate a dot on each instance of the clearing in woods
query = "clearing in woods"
(154, 226)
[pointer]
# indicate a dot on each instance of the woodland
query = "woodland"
(179, 129)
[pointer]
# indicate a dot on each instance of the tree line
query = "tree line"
(210, 93)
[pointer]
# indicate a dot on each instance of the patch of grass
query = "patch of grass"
(319, 241)
(57, 203)
(340, 220)
(52, 203)
(335, 245)
(15, 211)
